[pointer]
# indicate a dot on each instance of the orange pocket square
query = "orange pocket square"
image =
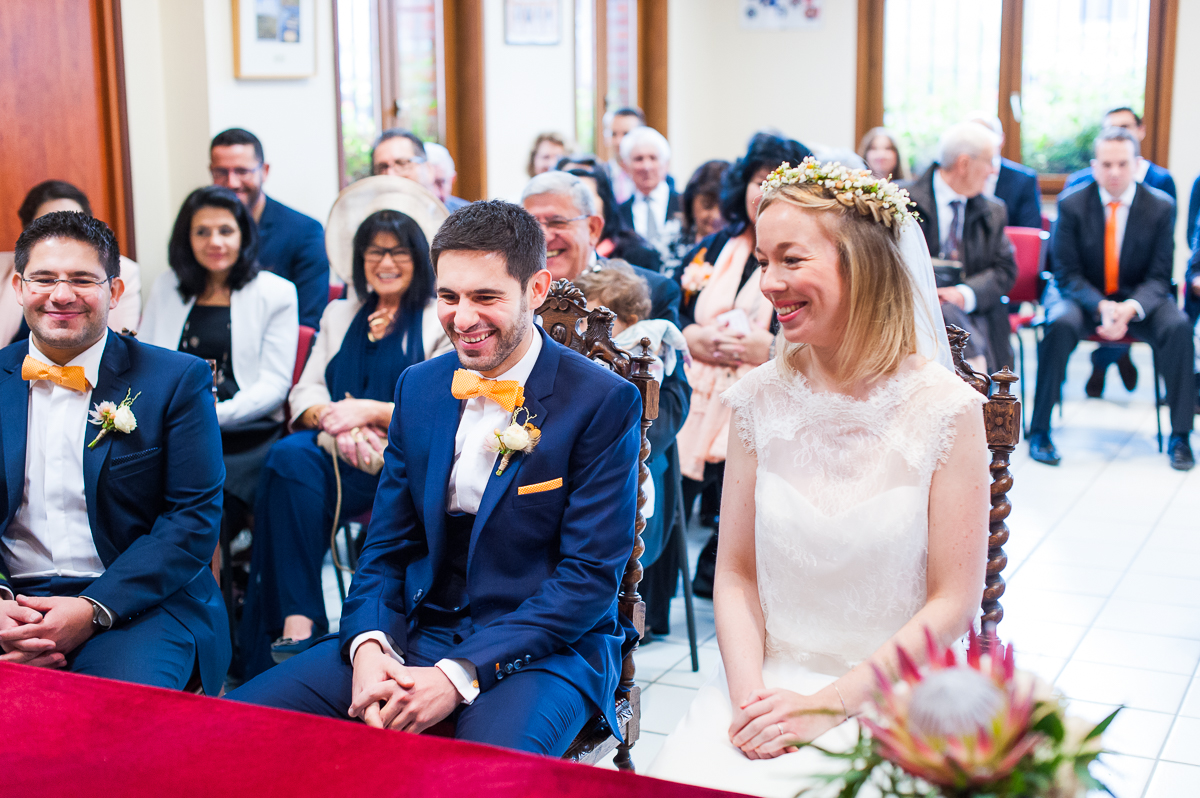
(540, 487)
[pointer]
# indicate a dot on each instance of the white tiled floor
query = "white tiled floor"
(1103, 590)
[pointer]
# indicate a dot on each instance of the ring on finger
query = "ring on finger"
(779, 726)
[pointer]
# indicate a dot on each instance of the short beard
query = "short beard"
(68, 340)
(507, 341)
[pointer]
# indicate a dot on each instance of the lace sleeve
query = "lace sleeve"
(740, 398)
(957, 398)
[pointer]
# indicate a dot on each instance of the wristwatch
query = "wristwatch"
(101, 620)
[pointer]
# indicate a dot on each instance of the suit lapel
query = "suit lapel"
(1092, 230)
(441, 459)
(1132, 226)
(14, 407)
(112, 387)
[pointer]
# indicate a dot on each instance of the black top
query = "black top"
(206, 334)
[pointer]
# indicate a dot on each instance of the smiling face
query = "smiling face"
(801, 275)
(388, 266)
(237, 167)
(569, 244)
(647, 167)
(881, 157)
(398, 157)
(216, 239)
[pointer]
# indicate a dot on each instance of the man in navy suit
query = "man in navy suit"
(655, 209)
(1113, 248)
(487, 588)
(289, 243)
(107, 533)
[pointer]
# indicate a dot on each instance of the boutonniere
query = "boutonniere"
(517, 437)
(697, 273)
(108, 417)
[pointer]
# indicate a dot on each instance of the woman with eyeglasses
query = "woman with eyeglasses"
(58, 195)
(617, 239)
(345, 393)
(217, 304)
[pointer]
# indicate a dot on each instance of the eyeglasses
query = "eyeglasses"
(373, 254)
(559, 223)
(399, 163)
(241, 173)
(80, 285)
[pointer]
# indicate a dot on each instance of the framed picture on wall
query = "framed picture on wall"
(531, 22)
(274, 39)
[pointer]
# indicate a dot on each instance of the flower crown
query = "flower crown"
(858, 189)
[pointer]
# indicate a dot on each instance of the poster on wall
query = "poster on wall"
(780, 14)
(531, 22)
(274, 39)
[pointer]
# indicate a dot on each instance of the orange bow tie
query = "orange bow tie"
(66, 376)
(507, 393)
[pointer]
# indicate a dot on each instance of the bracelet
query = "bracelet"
(839, 695)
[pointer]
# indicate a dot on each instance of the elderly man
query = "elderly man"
(962, 224)
(655, 208)
(400, 153)
(570, 216)
(1113, 247)
(1014, 184)
(440, 175)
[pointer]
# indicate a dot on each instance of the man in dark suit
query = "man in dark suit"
(1113, 246)
(655, 210)
(109, 526)
(487, 588)
(962, 224)
(289, 243)
(1016, 185)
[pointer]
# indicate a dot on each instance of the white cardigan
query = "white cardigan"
(265, 328)
(335, 321)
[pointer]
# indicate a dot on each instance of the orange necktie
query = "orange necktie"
(1112, 257)
(66, 376)
(468, 385)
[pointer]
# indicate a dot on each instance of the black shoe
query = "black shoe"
(1041, 448)
(1095, 384)
(706, 569)
(1180, 452)
(1128, 371)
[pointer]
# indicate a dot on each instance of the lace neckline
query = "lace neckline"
(882, 392)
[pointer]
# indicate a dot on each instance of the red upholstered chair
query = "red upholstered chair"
(336, 292)
(1045, 223)
(1027, 250)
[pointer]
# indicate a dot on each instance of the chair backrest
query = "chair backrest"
(303, 349)
(1002, 425)
(1027, 250)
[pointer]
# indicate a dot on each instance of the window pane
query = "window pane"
(585, 75)
(416, 40)
(622, 54)
(941, 62)
(357, 65)
(1081, 58)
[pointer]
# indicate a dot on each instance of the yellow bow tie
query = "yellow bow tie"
(66, 376)
(507, 393)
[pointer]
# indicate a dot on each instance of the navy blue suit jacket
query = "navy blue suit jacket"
(153, 495)
(293, 246)
(1017, 187)
(543, 569)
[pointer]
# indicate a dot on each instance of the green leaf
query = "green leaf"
(1102, 725)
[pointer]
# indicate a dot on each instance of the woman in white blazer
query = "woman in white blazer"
(346, 391)
(215, 303)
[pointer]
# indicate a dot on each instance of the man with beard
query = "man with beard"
(486, 591)
(289, 243)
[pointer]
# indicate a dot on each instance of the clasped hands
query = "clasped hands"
(388, 695)
(1119, 315)
(355, 424)
(41, 631)
(718, 345)
(774, 721)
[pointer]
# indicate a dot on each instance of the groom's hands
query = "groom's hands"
(773, 721)
(388, 695)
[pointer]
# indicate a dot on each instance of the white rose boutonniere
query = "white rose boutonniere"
(108, 417)
(516, 437)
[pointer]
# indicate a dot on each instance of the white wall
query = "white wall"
(1184, 161)
(529, 89)
(726, 83)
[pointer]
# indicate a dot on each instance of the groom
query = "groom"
(487, 588)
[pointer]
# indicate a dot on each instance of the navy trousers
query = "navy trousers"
(154, 648)
(293, 515)
(532, 710)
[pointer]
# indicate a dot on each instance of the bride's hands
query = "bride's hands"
(774, 721)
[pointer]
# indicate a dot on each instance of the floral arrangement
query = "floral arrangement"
(516, 437)
(697, 273)
(978, 729)
(871, 196)
(109, 416)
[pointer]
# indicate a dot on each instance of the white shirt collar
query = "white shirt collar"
(89, 358)
(524, 367)
(659, 195)
(1142, 168)
(1125, 199)
(942, 191)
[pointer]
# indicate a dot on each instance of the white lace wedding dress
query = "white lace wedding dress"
(841, 530)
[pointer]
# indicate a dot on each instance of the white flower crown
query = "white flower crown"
(880, 199)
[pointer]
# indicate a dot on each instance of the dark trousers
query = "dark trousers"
(154, 648)
(293, 519)
(1167, 331)
(531, 710)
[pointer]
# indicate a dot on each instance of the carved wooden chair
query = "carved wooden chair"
(1002, 425)
(563, 315)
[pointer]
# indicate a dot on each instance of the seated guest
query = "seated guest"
(617, 239)
(548, 148)
(964, 225)
(1113, 246)
(1014, 184)
(216, 304)
(881, 153)
(345, 392)
(617, 125)
(702, 202)
(486, 591)
(727, 324)
(399, 153)
(57, 195)
(654, 209)
(290, 244)
(441, 175)
(113, 515)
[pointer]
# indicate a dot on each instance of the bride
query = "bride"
(855, 502)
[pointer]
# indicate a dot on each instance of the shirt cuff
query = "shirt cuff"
(969, 301)
(6, 593)
(385, 642)
(108, 614)
(461, 674)
(1137, 306)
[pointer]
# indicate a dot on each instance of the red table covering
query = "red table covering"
(71, 735)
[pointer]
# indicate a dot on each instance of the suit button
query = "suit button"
(508, 668)
(499, 675)
(418, 594)
(528, 659)
(518, 665)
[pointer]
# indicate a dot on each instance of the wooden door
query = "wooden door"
(62, 108)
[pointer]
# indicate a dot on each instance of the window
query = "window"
(586, 42)
(606, 65)
(358, 79)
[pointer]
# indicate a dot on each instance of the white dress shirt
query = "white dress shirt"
(943, 195)
(469, 475)
(1122, 211)
(50, 535)
(654, 203)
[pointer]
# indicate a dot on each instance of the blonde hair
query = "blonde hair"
(619, 288)
(880, 326)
